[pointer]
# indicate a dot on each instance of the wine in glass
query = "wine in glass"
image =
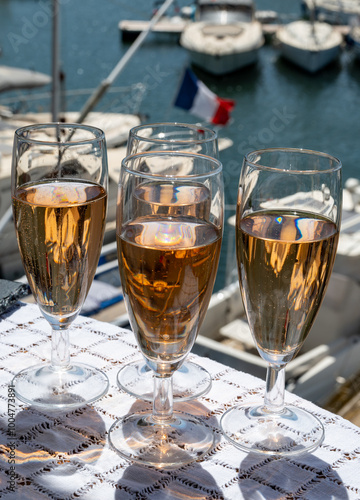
(287, 230)
(168, 261)
(59, 198)
(191, 380)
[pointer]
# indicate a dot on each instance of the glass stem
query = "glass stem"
(60, 352)
(163, 399)
(275, 389)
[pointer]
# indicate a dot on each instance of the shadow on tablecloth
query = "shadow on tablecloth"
(304, 476)
(191, 481)
(53, 452)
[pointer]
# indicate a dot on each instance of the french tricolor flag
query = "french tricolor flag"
(198, 99)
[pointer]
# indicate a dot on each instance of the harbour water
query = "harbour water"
(276, 103)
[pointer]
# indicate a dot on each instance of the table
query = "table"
(67, 456)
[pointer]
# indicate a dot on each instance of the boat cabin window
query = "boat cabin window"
(224, 14)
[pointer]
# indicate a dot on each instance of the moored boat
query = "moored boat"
(333, 11)
(310, 45)
(169, 25)
(19, 78)
(116, 127)
(224, 37)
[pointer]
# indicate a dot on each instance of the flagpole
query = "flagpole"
(105, 84)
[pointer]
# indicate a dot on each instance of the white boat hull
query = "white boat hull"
(221, 65)
(320, 367)
(222, 48)
(311, 61)
(19, 78)
(330, 355)
(311, 46)
(116, 127)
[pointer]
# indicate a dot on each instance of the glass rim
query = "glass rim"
(98, 134)
(337, 166)
(149, 154)
(186, 126)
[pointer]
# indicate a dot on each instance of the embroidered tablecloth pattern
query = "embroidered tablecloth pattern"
(67, 456)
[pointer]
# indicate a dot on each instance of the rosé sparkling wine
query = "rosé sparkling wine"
(169, 228)
(285, 265)
(55, 224)
(191, 380)
(287, 230)
(169, 292)
(59, 185)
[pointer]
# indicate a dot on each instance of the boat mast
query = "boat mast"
(105, 84)
(55, 102)
(313, 19)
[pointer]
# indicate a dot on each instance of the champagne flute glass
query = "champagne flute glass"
(287, 230)
(59, 196)
(191, 380)
(168, 250)
(173, 136)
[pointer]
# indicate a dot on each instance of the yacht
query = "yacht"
(224, 37)
(312, 45)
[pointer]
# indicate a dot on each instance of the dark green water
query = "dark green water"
(276, 104)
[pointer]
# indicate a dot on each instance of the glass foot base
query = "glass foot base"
(292, 432)
(190, 381)
(141, 439)
(42, 387)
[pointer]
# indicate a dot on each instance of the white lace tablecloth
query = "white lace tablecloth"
(68, 457)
